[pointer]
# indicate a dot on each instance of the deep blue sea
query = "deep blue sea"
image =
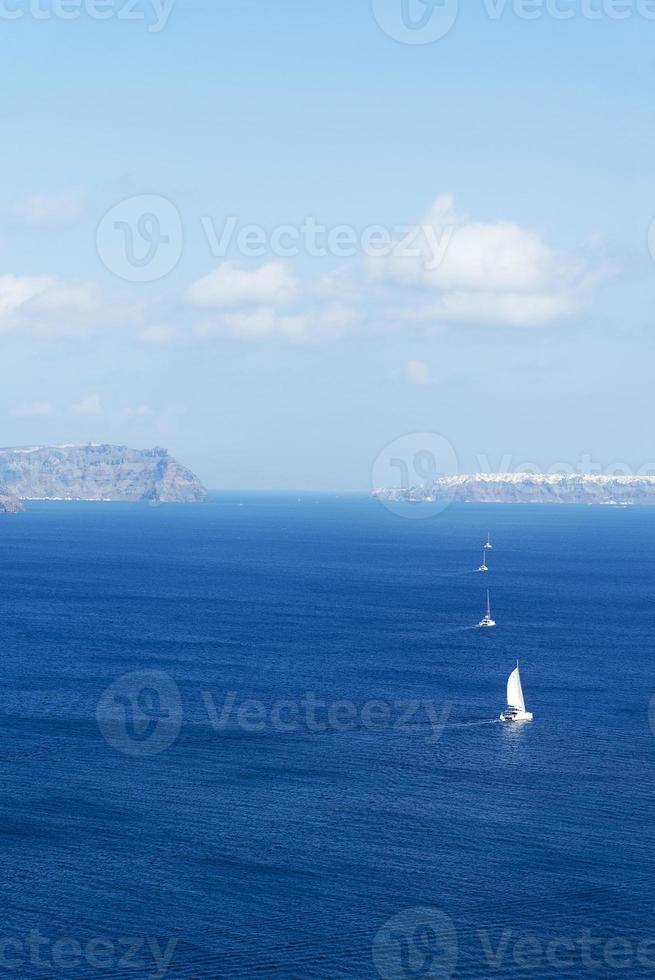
(205, 770)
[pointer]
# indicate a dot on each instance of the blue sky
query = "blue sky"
(525, 145)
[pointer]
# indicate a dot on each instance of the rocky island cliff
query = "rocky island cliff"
(8, 503)
(94, 472)
(530, 488)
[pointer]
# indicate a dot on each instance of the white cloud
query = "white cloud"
(511, 309)
(310, 323)
(418, 373)
(48, 210)
(445, 269)
(499, 257)
(159, 335)
(64, 298)
(268, 301)
(453, 271)
(33, 410)
(273, 285)
(476, 272)
(46, 305)
(88, 406)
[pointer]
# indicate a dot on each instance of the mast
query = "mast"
(488, 605)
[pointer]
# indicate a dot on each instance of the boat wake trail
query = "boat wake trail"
(474, 724)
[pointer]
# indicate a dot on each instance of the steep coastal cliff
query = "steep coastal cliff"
(8, 503)
(530, 488)
(96, 472)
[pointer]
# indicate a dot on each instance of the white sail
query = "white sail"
(515, 697)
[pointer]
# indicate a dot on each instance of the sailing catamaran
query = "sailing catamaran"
(483, 567)
(515, 710)
(488, 546)
(488, 622)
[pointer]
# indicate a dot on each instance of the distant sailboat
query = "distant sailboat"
(483, 567)
(488, 546)
(515, 710)
(488, 622)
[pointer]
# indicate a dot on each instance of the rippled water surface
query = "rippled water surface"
(279, 842)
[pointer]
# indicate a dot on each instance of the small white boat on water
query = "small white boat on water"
(515, 710)
(488, 622)
(483, 567)
(488, 546)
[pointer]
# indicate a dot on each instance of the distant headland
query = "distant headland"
(529, 488)
(94, 472)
